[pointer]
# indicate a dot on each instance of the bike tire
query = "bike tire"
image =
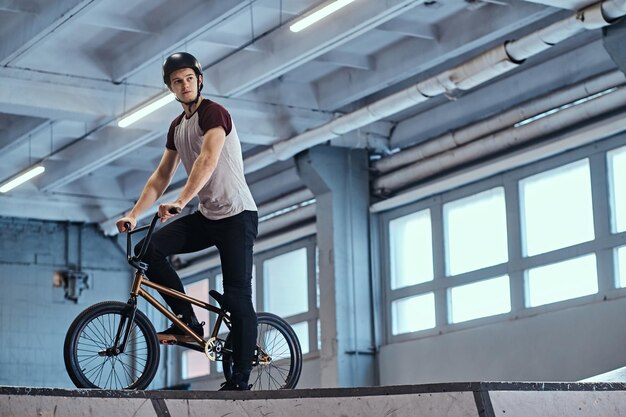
(277, 338)
(92, 332)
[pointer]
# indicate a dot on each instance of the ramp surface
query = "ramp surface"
(472, 399)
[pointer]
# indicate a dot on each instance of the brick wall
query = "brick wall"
(34, 316)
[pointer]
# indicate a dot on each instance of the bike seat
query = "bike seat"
(216, 296)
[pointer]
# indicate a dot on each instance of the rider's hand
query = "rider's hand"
(121, 224)
(166, 211)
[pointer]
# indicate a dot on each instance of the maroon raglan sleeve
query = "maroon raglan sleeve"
(212, 115)
(170, 133)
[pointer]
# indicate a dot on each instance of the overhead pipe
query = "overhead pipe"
(499, 141)
(453, 139)
(484, 67)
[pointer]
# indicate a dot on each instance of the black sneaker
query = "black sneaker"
(175, 334)
(237, 382)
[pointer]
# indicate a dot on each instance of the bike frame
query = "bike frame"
(137, 290)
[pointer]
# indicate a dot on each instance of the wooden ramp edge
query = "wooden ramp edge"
(471, 399)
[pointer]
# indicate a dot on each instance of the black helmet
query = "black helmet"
(180, 60)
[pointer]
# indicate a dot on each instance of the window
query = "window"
(556, 208)
(480, 299)
(410, 240)
(302, 331)
(196, 364)
(617, 181)
(413, 313)
(290, 288)
(475, 232)
(561, 281)
(525, 238)
(620, 263)
(285, 280)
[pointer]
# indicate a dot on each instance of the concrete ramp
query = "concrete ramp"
(475, 399)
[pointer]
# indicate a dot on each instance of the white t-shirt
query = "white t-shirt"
(226, 193)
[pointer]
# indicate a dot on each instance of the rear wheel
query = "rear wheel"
(90, 359)
(278, 357)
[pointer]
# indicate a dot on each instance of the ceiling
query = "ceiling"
(71, 68)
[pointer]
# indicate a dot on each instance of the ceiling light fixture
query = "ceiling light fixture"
(319, 15)
(145, 110)
(22, 178)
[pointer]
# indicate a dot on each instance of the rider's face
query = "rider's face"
(184, 84)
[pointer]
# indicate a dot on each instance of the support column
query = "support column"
(339, 179)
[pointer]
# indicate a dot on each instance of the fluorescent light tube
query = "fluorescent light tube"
(145, 110)
(22, 178)
(319, 15)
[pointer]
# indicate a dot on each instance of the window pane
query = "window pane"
(286, 286)
(620, 274)
(200, 290)
(556, 208)
(302, 331)
(617, 179)
(562, 281)
(475, 232)
(480, 299)
(195, 364)
(411, 251)
(413, 313)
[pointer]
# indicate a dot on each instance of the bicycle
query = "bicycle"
(113, 345)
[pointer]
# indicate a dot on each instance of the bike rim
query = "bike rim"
(116, 371)
(277, 373)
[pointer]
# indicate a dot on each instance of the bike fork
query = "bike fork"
(125, 326)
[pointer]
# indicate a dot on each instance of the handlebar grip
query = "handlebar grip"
(175, 210)
(127, 226)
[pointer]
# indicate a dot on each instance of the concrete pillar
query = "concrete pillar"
(339, 179)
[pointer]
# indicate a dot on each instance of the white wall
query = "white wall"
(564, 345)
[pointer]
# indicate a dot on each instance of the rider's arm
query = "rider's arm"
(157, 183)
(204, 165)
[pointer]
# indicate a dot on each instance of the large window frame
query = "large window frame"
(604, 246)
(311, 316)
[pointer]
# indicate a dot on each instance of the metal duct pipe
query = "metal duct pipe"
(285, 201)
(486, 66)
(499, 141)
(501, 121)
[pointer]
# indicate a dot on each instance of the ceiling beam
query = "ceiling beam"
(115, 21)
(87, 155)
(25, 33)
(290, 50)
(347, 59)
(410, 28)
(54, 101)
(200, 18)
(18, 131)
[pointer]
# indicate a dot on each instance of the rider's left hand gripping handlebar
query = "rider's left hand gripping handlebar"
(136, 260)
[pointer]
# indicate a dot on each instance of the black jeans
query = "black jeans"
(234, 238)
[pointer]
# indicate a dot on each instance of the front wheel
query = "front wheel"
(90, 356)
(278, 356)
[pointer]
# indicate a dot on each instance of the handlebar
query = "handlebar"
(136, 260)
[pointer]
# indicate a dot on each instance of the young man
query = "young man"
(205, 140)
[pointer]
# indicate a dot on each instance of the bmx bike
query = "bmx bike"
(113, 345)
